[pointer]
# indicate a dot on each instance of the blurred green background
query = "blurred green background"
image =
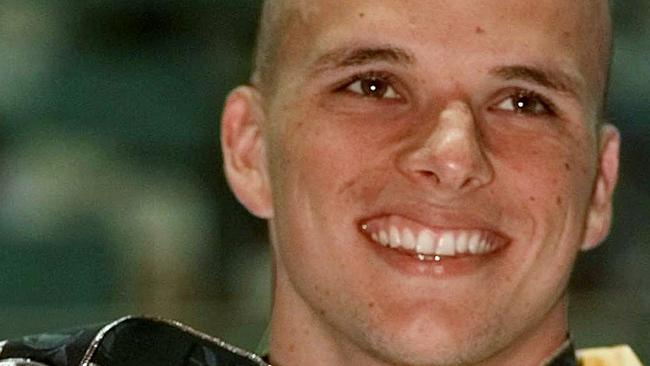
(113, 199)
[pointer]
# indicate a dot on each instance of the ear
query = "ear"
(244, 151)
(600, 211)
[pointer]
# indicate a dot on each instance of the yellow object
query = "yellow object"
(608, 356)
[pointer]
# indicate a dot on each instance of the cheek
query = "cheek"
(547, 184)
(310, 168)
(327, 156)
(550, 175)
(553, 166)
(318, 172)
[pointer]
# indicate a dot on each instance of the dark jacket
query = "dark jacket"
(129, 341)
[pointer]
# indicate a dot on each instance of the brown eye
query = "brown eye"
(525, 103)
(374, 87)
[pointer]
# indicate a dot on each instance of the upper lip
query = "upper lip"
(440, 218)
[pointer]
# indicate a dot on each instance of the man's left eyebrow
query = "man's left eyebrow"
(556, 80)
(344, 57)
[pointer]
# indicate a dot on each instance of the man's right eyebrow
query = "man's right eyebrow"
(345, 57)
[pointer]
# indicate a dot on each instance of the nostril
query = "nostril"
(428, 174)
(469, 182)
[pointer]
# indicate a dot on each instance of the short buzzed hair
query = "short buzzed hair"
(277, 15)
(267, 42)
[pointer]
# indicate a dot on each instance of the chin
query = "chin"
(430, 342)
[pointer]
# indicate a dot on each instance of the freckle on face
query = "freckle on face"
(339, 195)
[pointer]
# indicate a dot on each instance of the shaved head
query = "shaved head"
(267, 38)
(379, 132)
(278, 16)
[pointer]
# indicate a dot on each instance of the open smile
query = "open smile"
(431, 243)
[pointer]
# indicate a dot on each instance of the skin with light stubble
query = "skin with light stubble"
(429, 170)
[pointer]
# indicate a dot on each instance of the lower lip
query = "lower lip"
(409, 264)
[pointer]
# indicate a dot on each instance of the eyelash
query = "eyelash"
(546, 104)
(389, 80)
(384, 77)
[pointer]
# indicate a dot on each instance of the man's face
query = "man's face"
(433, 166)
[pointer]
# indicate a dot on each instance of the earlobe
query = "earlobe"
(600, 212)
(244, 151)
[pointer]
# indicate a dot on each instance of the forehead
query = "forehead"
(454, 30)
(560, 17)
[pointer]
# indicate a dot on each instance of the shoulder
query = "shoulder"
(129, 341)
(608, 356)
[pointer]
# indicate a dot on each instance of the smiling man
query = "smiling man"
(429, 170)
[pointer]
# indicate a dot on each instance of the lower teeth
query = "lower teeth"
(429, 258)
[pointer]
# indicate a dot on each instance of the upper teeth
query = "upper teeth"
(428, 242)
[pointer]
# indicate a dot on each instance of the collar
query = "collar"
(565, 355)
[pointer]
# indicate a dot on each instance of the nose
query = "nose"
(451, 156)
